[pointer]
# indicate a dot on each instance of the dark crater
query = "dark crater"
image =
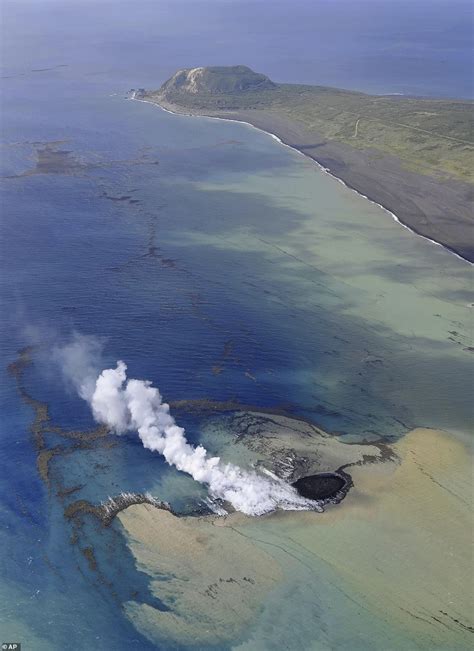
(325, 486)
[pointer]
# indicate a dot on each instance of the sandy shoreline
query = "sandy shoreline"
(405, 525)
(438, 210)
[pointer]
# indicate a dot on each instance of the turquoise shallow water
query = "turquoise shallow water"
(239, 271)
(221, 266)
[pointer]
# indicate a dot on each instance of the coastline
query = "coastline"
(465, 253)
(404, 524)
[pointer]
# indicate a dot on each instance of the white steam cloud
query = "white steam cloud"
(135, 405)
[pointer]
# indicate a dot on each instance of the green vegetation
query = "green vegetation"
(218, 79)
(429, 136)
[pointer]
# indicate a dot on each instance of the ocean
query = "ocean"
(215, 262)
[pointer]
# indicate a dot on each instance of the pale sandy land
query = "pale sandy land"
(399, 545)
(280, 440)
(218, 578)
(402, 539)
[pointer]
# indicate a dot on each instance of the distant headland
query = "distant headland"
(411, 155)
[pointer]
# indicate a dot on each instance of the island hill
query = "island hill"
(414, 156)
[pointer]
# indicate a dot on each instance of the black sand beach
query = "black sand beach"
(439, 209)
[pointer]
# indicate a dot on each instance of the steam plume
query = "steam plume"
(135, 405)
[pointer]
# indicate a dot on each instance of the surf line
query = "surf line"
(321, 167)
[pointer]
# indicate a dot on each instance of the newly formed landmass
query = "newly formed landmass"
(395, 551)
(397, 546)
(414, 156)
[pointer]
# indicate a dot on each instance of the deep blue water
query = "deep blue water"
(73, 259)
(421, 47)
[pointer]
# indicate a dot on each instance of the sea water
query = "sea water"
(221, 266)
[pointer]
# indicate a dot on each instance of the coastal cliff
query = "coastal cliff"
(218, 80)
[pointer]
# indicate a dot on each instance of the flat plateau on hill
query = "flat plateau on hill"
(412, 155)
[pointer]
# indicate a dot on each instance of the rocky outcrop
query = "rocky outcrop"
(215, 80)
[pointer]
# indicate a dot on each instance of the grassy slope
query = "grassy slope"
(429, 136)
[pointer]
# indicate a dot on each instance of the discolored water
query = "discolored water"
(221, 266)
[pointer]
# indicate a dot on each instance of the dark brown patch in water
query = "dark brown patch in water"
(323, 486)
